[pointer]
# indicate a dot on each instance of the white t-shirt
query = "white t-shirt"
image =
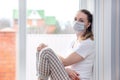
(86, 49)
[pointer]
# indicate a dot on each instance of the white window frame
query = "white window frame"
(21, 56)
(102, 38)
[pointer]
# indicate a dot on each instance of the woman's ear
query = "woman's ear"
(88, 25)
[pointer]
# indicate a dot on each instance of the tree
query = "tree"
(4, 23)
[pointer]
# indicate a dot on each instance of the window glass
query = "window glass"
(51, 16)
(49, 22)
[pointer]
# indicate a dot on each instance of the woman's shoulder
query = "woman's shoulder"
(88, 42)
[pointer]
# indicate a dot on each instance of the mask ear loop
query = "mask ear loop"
(87, 27)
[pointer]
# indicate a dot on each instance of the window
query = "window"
(53, 17)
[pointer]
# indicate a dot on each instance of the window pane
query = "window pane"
(8, 35)
(51, 16)
(48, 17)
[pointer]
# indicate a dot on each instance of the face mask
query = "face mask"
(78, 26)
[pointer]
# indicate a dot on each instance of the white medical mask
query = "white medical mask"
(78, 26)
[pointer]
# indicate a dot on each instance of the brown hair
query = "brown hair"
(88, 33)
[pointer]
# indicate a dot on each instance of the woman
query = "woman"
(81, 57)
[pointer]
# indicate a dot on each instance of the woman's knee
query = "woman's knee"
(46, 51)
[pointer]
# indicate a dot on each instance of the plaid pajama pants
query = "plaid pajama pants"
(49, 65)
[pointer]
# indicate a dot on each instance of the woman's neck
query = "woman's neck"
(79, 38)
(79, 35)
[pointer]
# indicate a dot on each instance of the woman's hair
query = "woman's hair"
(88, 33)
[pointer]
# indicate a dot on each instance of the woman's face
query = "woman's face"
(82, 17)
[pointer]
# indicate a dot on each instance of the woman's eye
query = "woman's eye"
(81, 20)
(75, 19)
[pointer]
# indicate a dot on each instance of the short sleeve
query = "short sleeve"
(84, 49)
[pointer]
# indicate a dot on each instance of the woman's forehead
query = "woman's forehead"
(81, 15)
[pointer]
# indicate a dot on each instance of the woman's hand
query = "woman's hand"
(72, 74)
(41, 46)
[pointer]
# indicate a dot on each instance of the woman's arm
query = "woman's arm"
(71, 59)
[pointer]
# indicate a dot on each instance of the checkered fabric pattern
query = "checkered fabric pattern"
(49, 65)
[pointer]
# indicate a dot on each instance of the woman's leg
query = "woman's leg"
(50, 65)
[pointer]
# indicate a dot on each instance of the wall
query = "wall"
(102, 26)
(115, 40)
(107, 33)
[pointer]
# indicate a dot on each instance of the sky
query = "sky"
(64, 10)
(6, 6)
